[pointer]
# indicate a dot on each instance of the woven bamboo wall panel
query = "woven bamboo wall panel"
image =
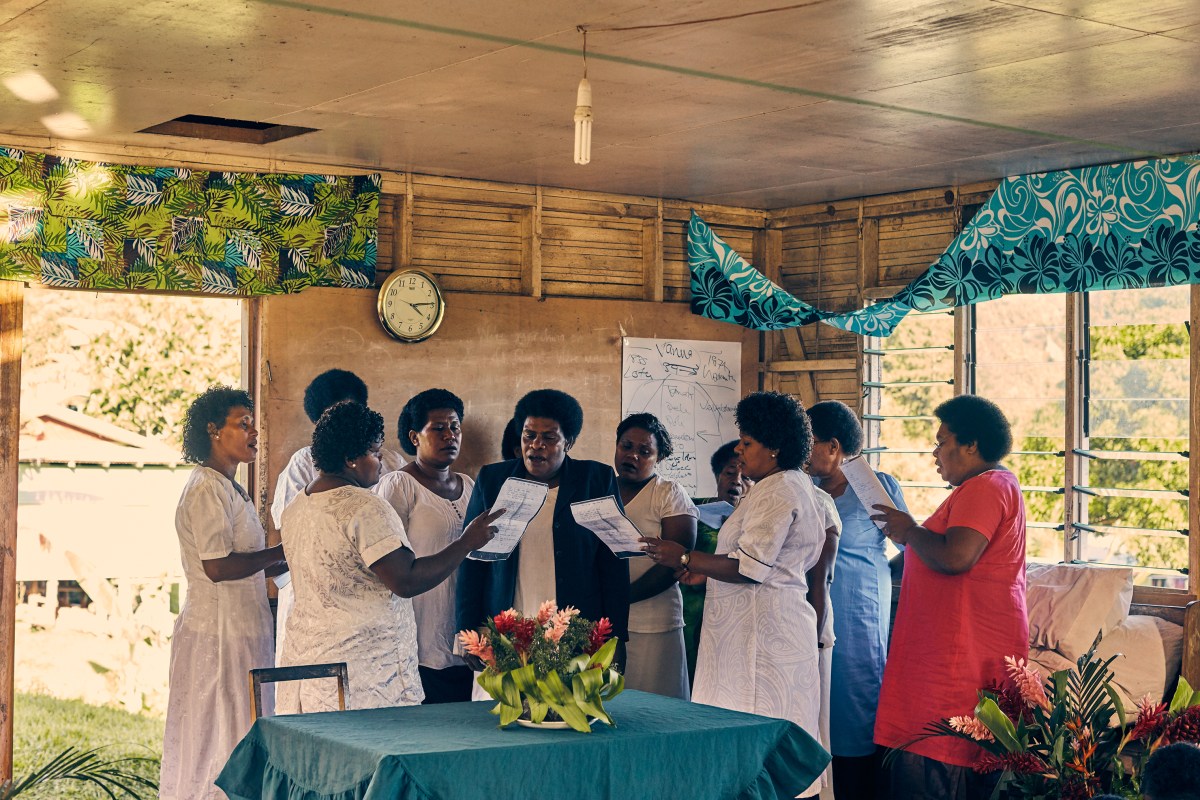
(820, 259)
(587, 255)
(909, 243)
(468, 247)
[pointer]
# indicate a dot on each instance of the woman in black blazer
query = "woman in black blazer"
(557, 558)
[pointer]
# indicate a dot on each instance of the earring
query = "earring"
(352, 466)
(773, 455)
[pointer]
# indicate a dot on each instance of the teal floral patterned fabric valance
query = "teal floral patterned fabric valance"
(66, 222)
(1122, 226)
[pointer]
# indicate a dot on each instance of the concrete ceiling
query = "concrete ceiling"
(824, 100)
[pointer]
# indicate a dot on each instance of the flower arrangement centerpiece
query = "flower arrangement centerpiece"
(556, 666)
(1068, 737)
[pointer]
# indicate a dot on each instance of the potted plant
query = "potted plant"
(555, 667)
(1068, 737)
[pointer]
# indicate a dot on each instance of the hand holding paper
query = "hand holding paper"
(604, 518)
(523, 500)
(866, 486)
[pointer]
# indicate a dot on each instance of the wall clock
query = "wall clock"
(410, 305)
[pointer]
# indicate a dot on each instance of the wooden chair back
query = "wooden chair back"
(301, 672)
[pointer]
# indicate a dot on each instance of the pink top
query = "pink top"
(952, 632)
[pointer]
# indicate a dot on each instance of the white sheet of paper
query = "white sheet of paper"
(522, 500)
(604, 518)
(866, 485)
(715, 513)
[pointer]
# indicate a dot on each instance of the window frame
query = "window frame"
(1075, 474)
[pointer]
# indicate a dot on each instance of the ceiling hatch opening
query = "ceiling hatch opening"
(198, 126)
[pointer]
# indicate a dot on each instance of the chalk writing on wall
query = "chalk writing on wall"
(693, 388)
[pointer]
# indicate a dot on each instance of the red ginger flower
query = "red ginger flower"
(504, 621)
(1008, 698)
(1152, 718)
(522, 634)
(601, 632)
(1017, 763)
(1185, 727)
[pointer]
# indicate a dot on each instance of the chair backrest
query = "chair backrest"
(297, 673)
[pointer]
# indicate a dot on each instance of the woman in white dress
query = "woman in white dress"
(224, 628)
(431, 502)
(354, 573)
(758, 648)
(330, 387)
(656, 659)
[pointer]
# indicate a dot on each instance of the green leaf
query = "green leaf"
(1000, 725)
(1117, 704)
(1182, 698)
(604, 656)
(1059, 679)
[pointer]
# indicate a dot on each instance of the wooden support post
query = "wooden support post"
(652, 257)
(404, 233)
(256, 380)
(531, 247)
(12, 299)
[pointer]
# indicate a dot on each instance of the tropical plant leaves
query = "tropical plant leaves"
(142, 190)
(78, 223)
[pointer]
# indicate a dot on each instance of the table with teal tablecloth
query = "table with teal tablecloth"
(660, 748)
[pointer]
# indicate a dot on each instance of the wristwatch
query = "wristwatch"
(685, 559)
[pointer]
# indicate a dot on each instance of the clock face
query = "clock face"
(410, 305)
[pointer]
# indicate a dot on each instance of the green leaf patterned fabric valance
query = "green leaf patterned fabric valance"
(1122, 226)
(71, 223)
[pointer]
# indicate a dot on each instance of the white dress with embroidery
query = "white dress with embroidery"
(758, 646)
(342, 610)
(300, 472)
(223, 631)
(432, 523)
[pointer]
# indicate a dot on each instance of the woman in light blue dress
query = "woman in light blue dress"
(861, 596)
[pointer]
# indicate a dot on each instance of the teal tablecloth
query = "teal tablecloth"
(661, 748)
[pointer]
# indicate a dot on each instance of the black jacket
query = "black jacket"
(586, 573)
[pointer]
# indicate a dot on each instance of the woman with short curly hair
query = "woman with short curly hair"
(355, 572)
(557, 559)
(431, 500)
(758, 647)
(224, 628)
(962, 598)
(656, 658)
(327, 389)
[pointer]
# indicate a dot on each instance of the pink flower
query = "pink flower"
(477, 646)
(545, 611)
(1028, 682)
(971, 727)
(555, 631)
(559, 623)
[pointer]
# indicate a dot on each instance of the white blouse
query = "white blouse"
(342, 610)
(432, 522)
(658, 499)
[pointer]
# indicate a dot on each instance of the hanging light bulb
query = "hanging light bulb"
(583, 113)
(583, 123)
